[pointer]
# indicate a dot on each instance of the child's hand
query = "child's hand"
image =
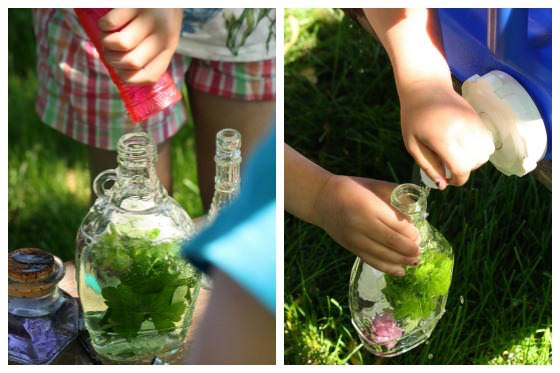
(356, 213)
(141, 51)
(440, 127)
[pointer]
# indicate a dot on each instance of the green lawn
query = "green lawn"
(341, 110)
(48, 177)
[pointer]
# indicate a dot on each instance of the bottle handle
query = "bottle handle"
(100, 180)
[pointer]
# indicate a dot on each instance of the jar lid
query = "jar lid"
(509, 112)
(33, 272)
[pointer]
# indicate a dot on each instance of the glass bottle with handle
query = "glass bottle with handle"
(136, 292)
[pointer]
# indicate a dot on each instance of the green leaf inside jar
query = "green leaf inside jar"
(154, 284)
(415, 295)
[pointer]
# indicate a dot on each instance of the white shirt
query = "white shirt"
(233, 35)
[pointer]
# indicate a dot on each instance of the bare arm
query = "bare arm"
(412, 40)
(236, 329)
(303, 182)
(355, 212)
(438, 126)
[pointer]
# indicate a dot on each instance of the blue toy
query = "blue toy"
(515, 41)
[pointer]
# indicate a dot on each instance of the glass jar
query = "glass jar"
(42, 319)
(393, 314)
(136, 292)
(228, 165)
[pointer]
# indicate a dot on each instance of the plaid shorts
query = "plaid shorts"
(248, 81)
(77, 97)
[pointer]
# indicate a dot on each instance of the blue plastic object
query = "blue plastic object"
(242, 240)
(516, 41)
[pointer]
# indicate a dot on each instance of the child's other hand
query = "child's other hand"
(356, 213)
(141, 51)
(440, 127)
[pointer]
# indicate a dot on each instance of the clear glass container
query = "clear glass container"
(393, 314)
(42, 319)
(136, 292)
(227, 179)
(228, 165)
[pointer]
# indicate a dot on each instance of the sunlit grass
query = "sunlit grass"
(341, 110)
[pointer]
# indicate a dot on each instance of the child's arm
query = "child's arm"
(354, 211)
(236, 328)
(438, 125)
(141, 51)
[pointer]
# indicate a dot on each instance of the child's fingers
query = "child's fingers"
(479, 144)
(403, 236)
(131, 36)
(151, 73)
(397, 242)
(390, 269)
(117, 18)
(137, 58)
(456, 159)
(383, 253)
(396, 221)
(428, 161)
(380, 188)
(470, 151)
(389, 227)
(458, 176)
(393, 239)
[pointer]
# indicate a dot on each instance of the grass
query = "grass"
(48, 177)
(341, 110)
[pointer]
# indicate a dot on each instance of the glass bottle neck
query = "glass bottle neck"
(228, 161)
(228, 165)
(411, 200)
(137, 181)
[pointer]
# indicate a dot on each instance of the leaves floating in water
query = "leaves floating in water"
(155, 283)
(415, 295)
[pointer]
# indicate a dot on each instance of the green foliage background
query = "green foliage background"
(342, 111)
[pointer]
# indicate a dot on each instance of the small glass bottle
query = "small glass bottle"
(136, 291)
(393, 314)
(228, 165)
(227, 179)
(42, 319)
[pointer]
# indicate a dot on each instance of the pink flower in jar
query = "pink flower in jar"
(384, 330)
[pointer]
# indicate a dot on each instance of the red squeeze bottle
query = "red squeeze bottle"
(141, 101)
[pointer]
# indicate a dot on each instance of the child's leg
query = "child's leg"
(250, 109)
(212, 113)
(101, 160)
(77, 97)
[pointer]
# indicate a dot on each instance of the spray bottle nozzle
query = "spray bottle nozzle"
(429, 182)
